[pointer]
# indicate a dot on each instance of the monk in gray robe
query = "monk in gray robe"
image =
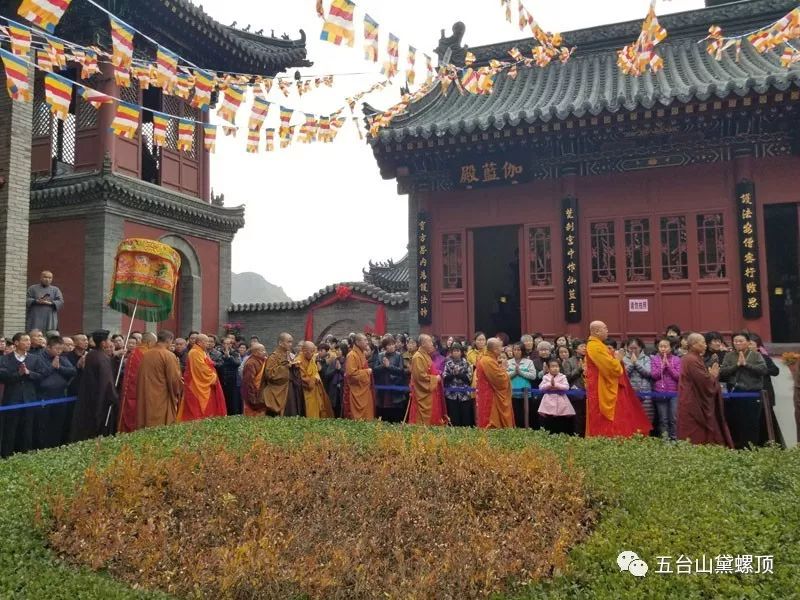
(44, 301)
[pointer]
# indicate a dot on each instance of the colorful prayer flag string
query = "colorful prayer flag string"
(338, 27)
(43, 13)
(17, 77)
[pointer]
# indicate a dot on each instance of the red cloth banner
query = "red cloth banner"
(343, 294)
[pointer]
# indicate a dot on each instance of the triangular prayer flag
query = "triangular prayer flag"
(89, 64)
(122, 42)
(126, 120)
(184, 85)
(371, 32)
(95, 98)
(58, 94)
(203, 86)
(160, 125)
(167, 69)
(393, 51)
(20, 39)
(258, 114)
(144, 76)
(411, 74)
(338, 27)
(55, 49)
(210, 138)
(270, 135)
(43, 13)
(253, 140)
(185, 135)
(231, 101)
(17, 74)
(44, 61)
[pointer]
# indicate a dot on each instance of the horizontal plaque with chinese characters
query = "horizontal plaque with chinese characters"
(571, 260)
(499, 171)
(748, 249)
(424, 315)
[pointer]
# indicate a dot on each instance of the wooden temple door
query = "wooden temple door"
(541, 310)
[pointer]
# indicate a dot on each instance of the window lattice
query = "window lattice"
(711, 246)
(87, 116)
(637, 250)
(129, 94)
(674, 251)
(541, 268)
(42, 117)
(604, 257)
(172, 106)
(452, 263)
(192, 113)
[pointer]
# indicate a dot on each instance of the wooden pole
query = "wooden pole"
(122, 361)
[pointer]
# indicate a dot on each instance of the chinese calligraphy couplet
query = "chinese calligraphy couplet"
(424, 315)
(749, 268)
(571, 259)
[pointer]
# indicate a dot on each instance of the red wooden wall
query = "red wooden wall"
(693, 303)
(58, 247)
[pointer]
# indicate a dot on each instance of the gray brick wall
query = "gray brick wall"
(341, 318)
(16, 120)
(104, 231)
(224, 281)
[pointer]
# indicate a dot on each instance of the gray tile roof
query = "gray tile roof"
(367, 289)
(591, 83)
(391, 276)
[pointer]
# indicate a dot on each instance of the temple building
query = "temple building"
(575, 192)
(72, 190)
(378, 305)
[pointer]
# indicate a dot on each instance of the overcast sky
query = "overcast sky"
(317, 214)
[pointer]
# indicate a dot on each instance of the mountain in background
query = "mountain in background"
(252, 288)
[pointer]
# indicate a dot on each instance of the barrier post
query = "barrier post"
(766, 411)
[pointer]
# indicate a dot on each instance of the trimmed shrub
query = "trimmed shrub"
(415, 516)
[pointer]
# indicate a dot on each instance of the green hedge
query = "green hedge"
(654, 498)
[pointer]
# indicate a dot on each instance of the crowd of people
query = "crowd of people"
(101, 384)
(157, 379)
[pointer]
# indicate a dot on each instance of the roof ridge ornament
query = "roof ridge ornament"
(450, 50)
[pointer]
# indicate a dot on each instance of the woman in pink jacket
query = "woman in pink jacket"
(665, 368)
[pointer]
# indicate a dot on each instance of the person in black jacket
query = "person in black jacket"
(18, 371)
(757, 345)
(94, 413)
(51, 425)
(227, 360)
(387, 369)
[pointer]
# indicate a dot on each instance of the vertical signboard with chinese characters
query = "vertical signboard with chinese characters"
(571, 260)
(748, 250)
(424, 316)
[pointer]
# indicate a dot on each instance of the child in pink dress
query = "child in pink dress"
(558, 415)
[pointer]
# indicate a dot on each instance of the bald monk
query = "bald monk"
(494, 388)
(159, 383)
(130, 383)
(427, 403)
(612, 407)
(701, 409)
(202, 392)
(253, 382)
(279, 394)
(359, 389)
(318, 405)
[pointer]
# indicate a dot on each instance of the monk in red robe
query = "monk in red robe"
(495, 410)
(253, 382)
(427, 399)
(202, 394)
(358, 382)
(130, 383)
(701, 409)
(612, 407)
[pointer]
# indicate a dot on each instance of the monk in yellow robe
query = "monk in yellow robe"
(202, 394)
(159, 384)
(279, 394)
(128, 399)
(495, 410)
(612, 407)
(359, 389)
(318, 405)
(427, 405)
(253, 382)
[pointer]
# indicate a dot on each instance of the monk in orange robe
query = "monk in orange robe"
(130, 382)
(612, 407)
(253, 382)
(427, 399)
(280, 395)
(358, 380)
(495, 410)
(160, 384)
(318, 405)
(202, 394)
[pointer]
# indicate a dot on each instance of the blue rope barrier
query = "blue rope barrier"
(38, 404)
(577, 394)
